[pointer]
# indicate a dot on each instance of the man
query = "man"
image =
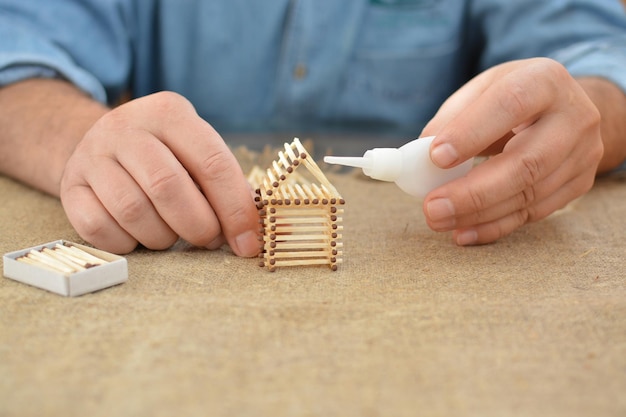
(538, 85)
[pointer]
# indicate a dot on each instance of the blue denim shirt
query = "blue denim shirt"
(284, 64)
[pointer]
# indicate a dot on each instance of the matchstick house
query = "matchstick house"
(300, 217)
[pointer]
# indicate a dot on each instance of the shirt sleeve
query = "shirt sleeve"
(85, 42)
(604, 58)
(587, 36)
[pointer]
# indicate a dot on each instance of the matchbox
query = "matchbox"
(66, 268)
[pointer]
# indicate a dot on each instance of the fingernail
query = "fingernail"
(247, 244)
(467, 237)
(440, 209)
(444, 155)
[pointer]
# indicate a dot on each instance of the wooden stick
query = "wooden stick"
(291, 221)
(30, 261)
(280, 172)
(291, 154)
(305, 245)
(308, 211)
(272, 178)
(65, 251)
(293, 229)
(301, 255)
(86, 256)
(312, 237)
(318, 192)
(61, 257)
(296, 262)
(47, 260)
(308, 190)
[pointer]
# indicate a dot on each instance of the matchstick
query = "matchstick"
(49, 261)
(61, 259)
(34, 262)
(86, 256)
(78, 256)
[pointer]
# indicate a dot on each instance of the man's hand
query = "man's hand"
(152, 170)
(543, 133)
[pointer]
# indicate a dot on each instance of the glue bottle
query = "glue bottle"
(409, 166)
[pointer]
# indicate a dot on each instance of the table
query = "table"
(410, 324)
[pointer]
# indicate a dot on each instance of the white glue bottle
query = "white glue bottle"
(409, 166)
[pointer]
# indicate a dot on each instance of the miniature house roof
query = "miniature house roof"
(281, 184)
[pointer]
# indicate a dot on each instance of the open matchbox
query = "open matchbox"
(113, 271)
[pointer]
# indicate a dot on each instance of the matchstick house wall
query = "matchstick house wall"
(300, 218)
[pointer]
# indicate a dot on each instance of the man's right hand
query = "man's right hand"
(151, 171)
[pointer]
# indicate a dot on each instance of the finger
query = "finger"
(127, 203)
(174, 199)
(217, 243)
(212, 166)
(93, 222)
(492, 231)
(517, 97)
(458, 102)
(532, 198)
(527, 159)
(461, 100)
(479, 191)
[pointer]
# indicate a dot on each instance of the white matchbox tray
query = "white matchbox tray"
(114, 272)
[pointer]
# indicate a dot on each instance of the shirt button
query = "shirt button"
(299, 71)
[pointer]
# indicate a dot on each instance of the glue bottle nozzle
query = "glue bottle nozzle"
(349, 161)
